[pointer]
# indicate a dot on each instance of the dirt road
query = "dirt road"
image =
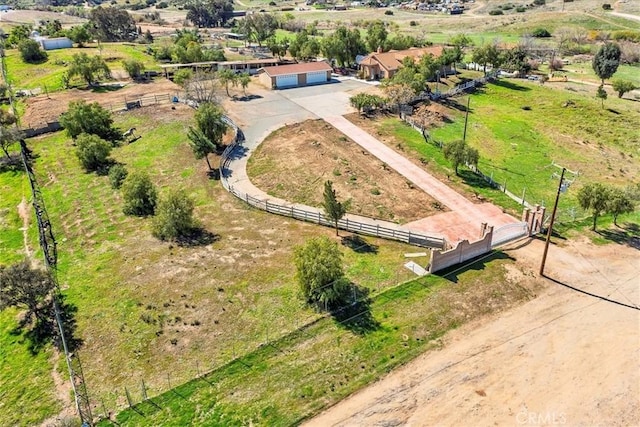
(564, 358)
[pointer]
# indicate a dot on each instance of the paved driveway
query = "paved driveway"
(274, 109)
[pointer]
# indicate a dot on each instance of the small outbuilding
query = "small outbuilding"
(54, 43)
(293, 75)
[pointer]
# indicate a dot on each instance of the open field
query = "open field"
(518, 146)
(284, 382)
(147, 307)
(48, 75)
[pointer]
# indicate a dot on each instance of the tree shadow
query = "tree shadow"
(41, 330)
(359, 245)
(454, 104)
(476, 264)
(105, 88)
(473, 179)
(197, 237)
(611, 110)
(627, 234)
(510, 85)
(246, 98)
(11, 164)
(355, 316)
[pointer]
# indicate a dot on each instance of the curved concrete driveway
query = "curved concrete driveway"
(259, 117)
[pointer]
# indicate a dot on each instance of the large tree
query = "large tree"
(174, 216)
(320, 272)
(112, 24)
(89, 68)
(623, 86)
(343, 46)
(606, 61)
(200, 144)
(79, 34)
(209, 13)
(594, 197)
(133, 67)
(618, 203)
(9, 135)
(399, 94)
(31, 52)
(139, 194)
(377, 36)
(89, 118)
(259, 26)
(92, 151)
(227, 77)
(24, 287)
(210, 120)
(333, 209)
(460, 153)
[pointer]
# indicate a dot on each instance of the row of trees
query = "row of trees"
(601, 198)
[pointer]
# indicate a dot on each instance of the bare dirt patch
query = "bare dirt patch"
(294, 162)
(48, 108)
(23, 212)
(499, 370)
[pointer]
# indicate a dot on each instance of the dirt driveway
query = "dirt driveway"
(564, 358)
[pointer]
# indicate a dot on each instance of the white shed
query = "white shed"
(55, 43)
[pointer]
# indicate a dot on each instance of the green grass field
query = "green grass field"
(295, 376)
(48, 75)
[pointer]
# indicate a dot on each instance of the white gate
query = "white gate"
(508, 233)
(287, 80)
(316, 77)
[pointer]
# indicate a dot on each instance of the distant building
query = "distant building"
(383, 65)
(55, 43)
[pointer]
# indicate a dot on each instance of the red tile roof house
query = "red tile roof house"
(293, 75)
(383, 65)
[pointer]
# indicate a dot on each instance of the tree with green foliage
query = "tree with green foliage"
(244, 79)
(259, 26)
(333, 209)
(200, 144)
(133, 67)
(92, 151)
(117, 175)
(31, 52)
(277, 47)
(460, 153)
(112, 24)
(89, 68)
(182, 76)
(601, 94)
(516, 59)
(24, 287)
(9, 135)
(210, 13)
(606, 61)
(461, 41)
(365, 102)
(343, 46)
(541, 33)
(487, 54)
(619, 202)
(623, 86)
(139, 194)
(594, 197)
(320, 272)
(79, 34)
(174, 216)
(227, 77)
(17, 34)
(89, 118)
(377, 36)
(209, 119)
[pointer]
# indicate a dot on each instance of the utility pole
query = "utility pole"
(466, 119)
(553, 218)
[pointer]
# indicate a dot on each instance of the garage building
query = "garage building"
(303, 74)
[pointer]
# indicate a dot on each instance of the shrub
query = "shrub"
(174, 217)
(31, 52)
(162, 5)
(541, 32)
(272, 3)
(139, 194)
(92, 151)
(413, 23)
(556, 64)
(496, 12)
(388, 12)
(133, 67)
(606, 6)
(117, 174)
(520, 9)
(539, 2)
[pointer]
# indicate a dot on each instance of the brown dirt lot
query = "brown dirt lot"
(316, 152)
(47, 108)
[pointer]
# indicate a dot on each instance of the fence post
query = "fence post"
(504, 187)
(266, 205)
(144, 390)
(523, 193)
(126, 392)
(318, 217)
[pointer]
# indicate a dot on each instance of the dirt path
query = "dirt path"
(63, 393)
(563, 358)
(24, 213)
